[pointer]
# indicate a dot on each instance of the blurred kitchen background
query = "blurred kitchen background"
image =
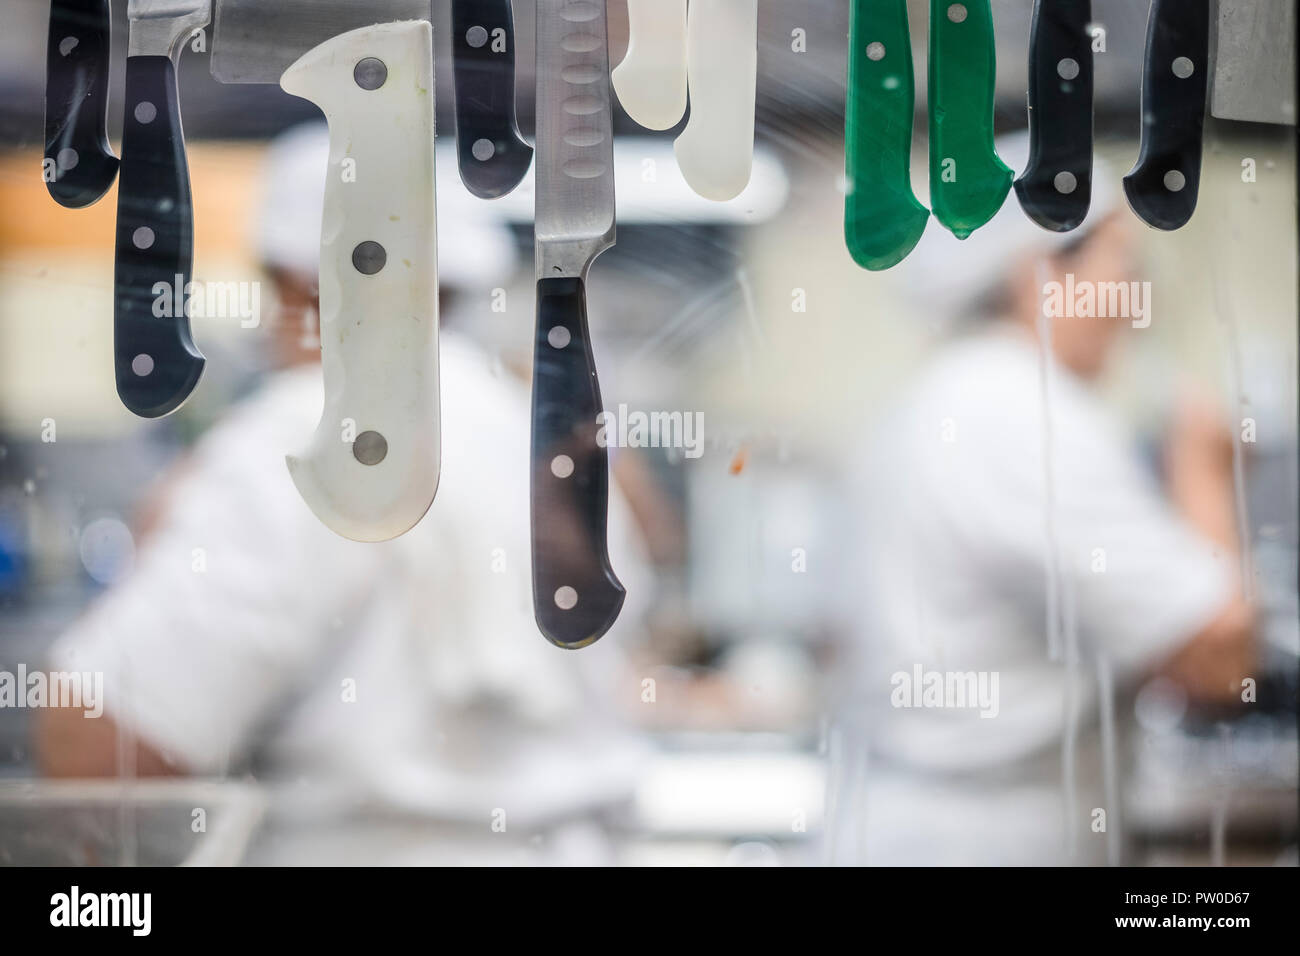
(694, 309)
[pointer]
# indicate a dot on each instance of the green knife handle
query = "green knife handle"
(882, 219)
(968, 182)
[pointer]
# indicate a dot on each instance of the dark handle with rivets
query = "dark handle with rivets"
(1055, 189)
(493, 156)
(1162, 187)
(576, 596)
(156, 360)
(79, 165)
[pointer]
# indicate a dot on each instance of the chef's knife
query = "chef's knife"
(716, 149)
(883, 220)
(493, 156)
(968, 182)
(76, 103)
(157, 363)
(1255, 62)
(651, 80)
(371, 469)
(1163, 186)
(576, 596)
(1055, 189)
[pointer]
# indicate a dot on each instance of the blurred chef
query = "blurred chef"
(408, 673)
(1018, 550)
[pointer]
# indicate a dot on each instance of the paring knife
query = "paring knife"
(76, 103)
(576, 596)
(371, 470)
(157, 363)
(493, 156)
(651, 80)
(883, 221)
(1055, 189)
(1163, 186)
(968, 182)
(716, 149)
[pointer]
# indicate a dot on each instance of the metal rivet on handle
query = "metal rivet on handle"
(476, 37)
(1175, 181)
(369, 257)
(142, 365)
(1183, 67)
(370, 73)
(957, 12)
(370, 448)
(143, 237)
(1065, 183)
(559, 337)
(566, 598)
(483, 150)
(875, 51)
(67, 159)
(145, 112)
(562, 466)
(1067, 68)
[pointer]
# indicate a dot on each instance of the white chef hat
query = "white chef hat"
(946, 277)
(475, 248)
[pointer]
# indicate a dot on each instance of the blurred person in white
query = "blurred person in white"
(956, 498)
(410, 672)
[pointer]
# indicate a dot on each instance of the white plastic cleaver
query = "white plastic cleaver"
(716, 150)
(371, 469)
(651, 80)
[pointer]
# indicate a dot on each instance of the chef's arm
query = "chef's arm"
(70, 744)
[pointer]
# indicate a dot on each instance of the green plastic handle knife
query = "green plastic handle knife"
(882, 219)
(968, 182)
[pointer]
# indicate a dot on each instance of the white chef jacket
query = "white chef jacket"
(955, 531)
(411, 670)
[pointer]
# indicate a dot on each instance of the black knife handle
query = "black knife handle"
(576, 596)
(1055, 189)
(1162, 187)
(157, 363)
(76, 103)
(493, 156)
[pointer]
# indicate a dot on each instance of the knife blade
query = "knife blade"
(1162, 187)
(883, 221)
(716, 149)
(576, 595)
(371, 469)
(76, 103)
(156, 362)
(651, 80)
(968, 182)
(1055, 189)
(1255, 62)
(493, 157)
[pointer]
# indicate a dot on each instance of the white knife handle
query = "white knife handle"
(716, 150)
(651, 80)
(371, 469)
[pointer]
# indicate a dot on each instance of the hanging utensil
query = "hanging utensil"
(651, 80)
(1055, 189)
(883, 221)
(493, 156)
(1162, 188)
(716, 149)
(968, 182)
(576, 595)
(80, 166)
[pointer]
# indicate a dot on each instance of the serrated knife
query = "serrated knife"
(576, 595)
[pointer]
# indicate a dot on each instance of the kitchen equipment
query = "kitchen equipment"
(76, 103)
(1162, 187)
(371, 469)
(968, 182)
(1254, 62)
(156, 362)
(651, 80)
(1055, 189)
(576, 595)
(883, 220)
(493, 156)
(716, 149)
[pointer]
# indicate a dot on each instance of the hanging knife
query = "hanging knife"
(1055, 189)
(883, 221)
(371, 469)
(157, 363)
(576, 596)
(80, 166)
(493, 156)
(1162, 187)
(968, 182)
(716, 149)
(651, 80)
